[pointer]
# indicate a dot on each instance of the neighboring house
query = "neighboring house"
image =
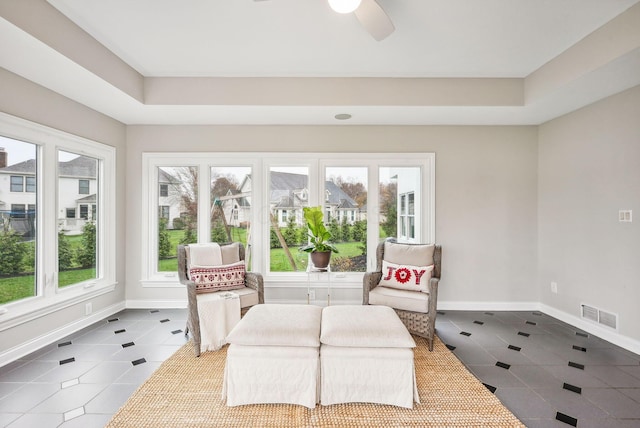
(288, 194)
(77, 185)
(169, 197)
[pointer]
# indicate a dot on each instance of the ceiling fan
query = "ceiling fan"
(370, 14)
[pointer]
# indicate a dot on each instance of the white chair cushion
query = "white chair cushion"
(364, 327)
(409, 254)
(400, 299)
(278, 325)
(248, 296)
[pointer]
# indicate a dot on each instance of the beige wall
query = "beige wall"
(589, 168)
(486, 198)
(24, 99)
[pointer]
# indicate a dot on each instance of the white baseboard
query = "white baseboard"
(488, 306)
(32, 345)
(602, 332)
(156, 304)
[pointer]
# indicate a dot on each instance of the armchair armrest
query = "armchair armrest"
(369, 282)
(193, 319)
(433, 296)
(255, 281)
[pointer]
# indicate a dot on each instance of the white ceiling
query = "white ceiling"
(304, 38)
(450, 38)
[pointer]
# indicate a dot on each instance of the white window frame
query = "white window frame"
(49, 297)
(261, 164)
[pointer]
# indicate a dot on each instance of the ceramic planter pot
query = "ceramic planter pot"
(320, 259)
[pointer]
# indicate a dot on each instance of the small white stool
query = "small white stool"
(273, 356)
(366, 356)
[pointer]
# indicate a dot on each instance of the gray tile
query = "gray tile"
(509, 356)
(7, 418)
(613, 401)
(570, 403)
(535, 376)
(27, 397)
(88, 421)
(138, 374)
(575, 377)
(609, 423)
(69, 398)
(496, 376)
(42, 420)
(473, 355)
(98, 352)
(525, 403)
(106, 372)
(545, 423)
(28, 371)
(7, 388)
(67, 371)
(613, 376)
(111, 399)
(542, 355)
(633, 393)
(632, 370)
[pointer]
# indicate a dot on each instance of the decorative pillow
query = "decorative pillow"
(209, 279)
(406, 277)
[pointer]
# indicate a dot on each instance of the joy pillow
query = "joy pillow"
(209, 279)
(406, 277)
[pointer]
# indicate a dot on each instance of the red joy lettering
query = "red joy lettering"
(418, 275)
(390, 273)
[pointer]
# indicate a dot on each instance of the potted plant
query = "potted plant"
(319, 246)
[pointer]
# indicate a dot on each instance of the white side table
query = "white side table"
(315, 276)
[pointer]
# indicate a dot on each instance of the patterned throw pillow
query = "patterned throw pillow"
(209, 279)
(406, 277)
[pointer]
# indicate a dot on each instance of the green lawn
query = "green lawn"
(280, 262)
(19, 287)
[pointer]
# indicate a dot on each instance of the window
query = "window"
(81, 265)
(164, 212)
(18, 211)
(31, 184)
(84, 212)
(39, 256)
(360, 195)
(181, 185)
(83, 187)
(17, 183)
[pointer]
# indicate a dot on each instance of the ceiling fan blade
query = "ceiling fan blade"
(374, 19)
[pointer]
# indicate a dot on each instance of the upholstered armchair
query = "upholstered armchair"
(406, 279)
(251, 294)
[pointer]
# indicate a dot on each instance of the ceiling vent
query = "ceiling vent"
(599, 316)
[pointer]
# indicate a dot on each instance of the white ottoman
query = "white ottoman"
(366, 356)
(273, 356)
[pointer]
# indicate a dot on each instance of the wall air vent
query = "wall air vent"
(599, 316)
(590, 313)
(608, 319)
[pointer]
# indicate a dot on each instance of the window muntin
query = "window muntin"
(31, 184)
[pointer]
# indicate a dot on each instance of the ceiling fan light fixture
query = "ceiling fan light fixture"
(344, 6)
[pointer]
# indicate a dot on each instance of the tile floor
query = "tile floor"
(547, 372)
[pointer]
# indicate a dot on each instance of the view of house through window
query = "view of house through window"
(288, 194)
(346, 216)
(18, 197)
(399, 196)
(177, 212)
(77, 218)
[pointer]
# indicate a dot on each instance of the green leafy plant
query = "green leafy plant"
(318, 233)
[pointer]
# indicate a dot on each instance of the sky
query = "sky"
(19, 151)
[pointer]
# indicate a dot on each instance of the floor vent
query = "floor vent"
(599, 316)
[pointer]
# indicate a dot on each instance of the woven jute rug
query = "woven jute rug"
(185, 391)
